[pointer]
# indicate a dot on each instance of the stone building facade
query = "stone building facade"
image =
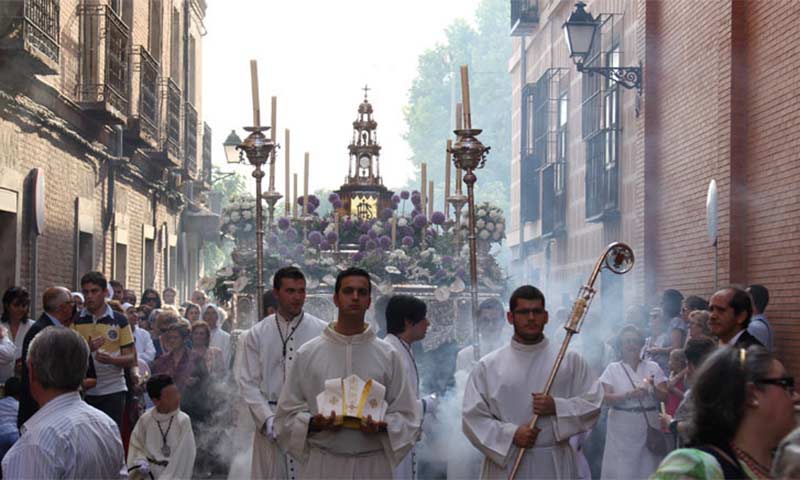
(594, 163)
(102, 100)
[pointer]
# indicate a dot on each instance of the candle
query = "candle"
(288, 203)
(447, 176)
(465, 96)
(294, 198)
(336, 229)
(394, 231)
(430, 199)
(422, 196)
(459, 119)
(254, 85)
(305, 186)
(274, 132)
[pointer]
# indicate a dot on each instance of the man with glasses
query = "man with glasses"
(503, 394)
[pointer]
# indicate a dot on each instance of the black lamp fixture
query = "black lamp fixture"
(580, 31)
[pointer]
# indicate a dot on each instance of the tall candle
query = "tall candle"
(294, 198)
(305, 186)
(459, 124)
(394, 231)
(274, 132)
(423, 188)
(465, 96)
(336, 229)
(447, 175)
(430, 199)
(288, 192)
(254, 86)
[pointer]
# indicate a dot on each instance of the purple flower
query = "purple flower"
(333, 198)
(395, 198)
(325, 245)
(357, 257)
(300, 200)
(283, 223)
(437, 218)
(273, 238)
(371, 245)
(299, 249)
(313, 200)
(291, 234)
(337, 204)
(364, 227)
(447, 260)
(311, 207)
(405, 195)
(315, 237)
(420, 221)
(385, 242)
(362, 239)
(348, 223)
(461, 273)
(332, 237)
(386, 214)
(416, 200)
(408, 241)
(415, 212)
(373, 235)
(283, 250)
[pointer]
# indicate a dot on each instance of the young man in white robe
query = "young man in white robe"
(269, 350)
(504, 391)
(162, 442)
(348, 346)
(407, 323)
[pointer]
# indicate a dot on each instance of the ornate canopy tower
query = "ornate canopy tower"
(363, 194)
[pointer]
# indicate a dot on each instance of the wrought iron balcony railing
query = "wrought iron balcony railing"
(30, 29)
(171, 128)
(190, 140)
(103, 89)
(207, 154)
(145, 106)
(524, 17)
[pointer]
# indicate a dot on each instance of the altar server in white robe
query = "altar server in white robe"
(406, 323)
(162, 442)
(503, 393)
(270, 349)
(347, 347)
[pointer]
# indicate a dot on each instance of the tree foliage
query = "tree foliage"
(429, 112)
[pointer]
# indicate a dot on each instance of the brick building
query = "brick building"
(102, 100)
(594, 163)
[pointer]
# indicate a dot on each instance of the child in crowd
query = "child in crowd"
(162, 443)
(676, 385)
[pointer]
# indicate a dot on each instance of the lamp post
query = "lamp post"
(580, 32)
(469, 154)
(258, 150)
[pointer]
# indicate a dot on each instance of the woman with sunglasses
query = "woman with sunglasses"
(744, 405)
(16, 308)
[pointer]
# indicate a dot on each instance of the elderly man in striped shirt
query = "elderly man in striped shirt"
(66, 438)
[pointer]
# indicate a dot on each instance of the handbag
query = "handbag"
(656, 441)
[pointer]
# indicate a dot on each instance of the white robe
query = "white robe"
(346, 453)
(498, 400)
(260, 376)
(221, 339)
(407, 469)
(146, 442)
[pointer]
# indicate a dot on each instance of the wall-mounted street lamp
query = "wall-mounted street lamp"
(580, 31)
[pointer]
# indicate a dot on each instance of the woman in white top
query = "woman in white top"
(632, 387)
(16, 304)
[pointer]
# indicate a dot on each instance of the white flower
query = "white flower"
(235, 216)
(328, 229)
(226, 218)
(493, 214)
(247, 214)
(403, 222)
(231, 229)
(425, 254)
(484, 235)
(437, 259)
(501, 227)
(497, 235)
(490, 226)
(480, 223)
(481, 212)
(248, 227)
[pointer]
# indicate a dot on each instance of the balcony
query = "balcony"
(207, 155)
(524, 17)
(170, 143)
(103, 88)
(190, 141)
(144, 116)
(29, 32)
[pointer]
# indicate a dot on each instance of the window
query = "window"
(148, 256)
(155, 32)
(9, 221)
(121, 263)
(530, 157)
(192, 69)
(554, 203)
(85, 253)
(175, 46)
(601, 126)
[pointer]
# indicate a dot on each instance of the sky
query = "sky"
(316, 56)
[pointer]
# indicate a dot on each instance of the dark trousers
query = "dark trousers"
(112, 405)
